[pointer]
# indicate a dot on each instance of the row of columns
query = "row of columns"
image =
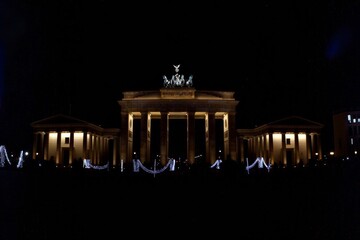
(260, 147)
(127, 133)
(93, 147)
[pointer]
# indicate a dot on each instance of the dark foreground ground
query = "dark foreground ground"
(303, 203)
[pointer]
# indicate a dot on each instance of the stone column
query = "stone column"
(71, 148)
(103, 154)
(232, 135)
(124, 137)
(94, 149)
(207, 149)
(308, 147)
(164, 138)
(58, 147)
(261, 147)
(250, 147)
(271, 148)
(100, 149)
(84, 151)
(283, 148)
(97, 149)
(46, 146)
(148, 132)
(91, 144)
(143, 136)
(130, 136)
(226, 151)
(256, 147)
(252, 153)
(265, 149)
(191, 137)
(312, 146)
(211, 154)
(297, 155)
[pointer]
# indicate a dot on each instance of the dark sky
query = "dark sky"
(77, 57)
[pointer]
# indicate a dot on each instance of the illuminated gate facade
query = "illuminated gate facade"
(178, 103)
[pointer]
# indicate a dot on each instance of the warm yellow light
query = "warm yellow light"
(332, 153)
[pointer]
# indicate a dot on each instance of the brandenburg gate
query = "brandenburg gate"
(178, 100)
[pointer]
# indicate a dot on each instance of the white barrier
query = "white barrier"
(87, 164)
(137, 164)
(260, 163)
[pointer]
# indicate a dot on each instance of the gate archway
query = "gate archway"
(185, 103)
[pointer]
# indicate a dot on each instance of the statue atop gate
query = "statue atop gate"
(177, 80)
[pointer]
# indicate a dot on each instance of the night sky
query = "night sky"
(77, 57)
